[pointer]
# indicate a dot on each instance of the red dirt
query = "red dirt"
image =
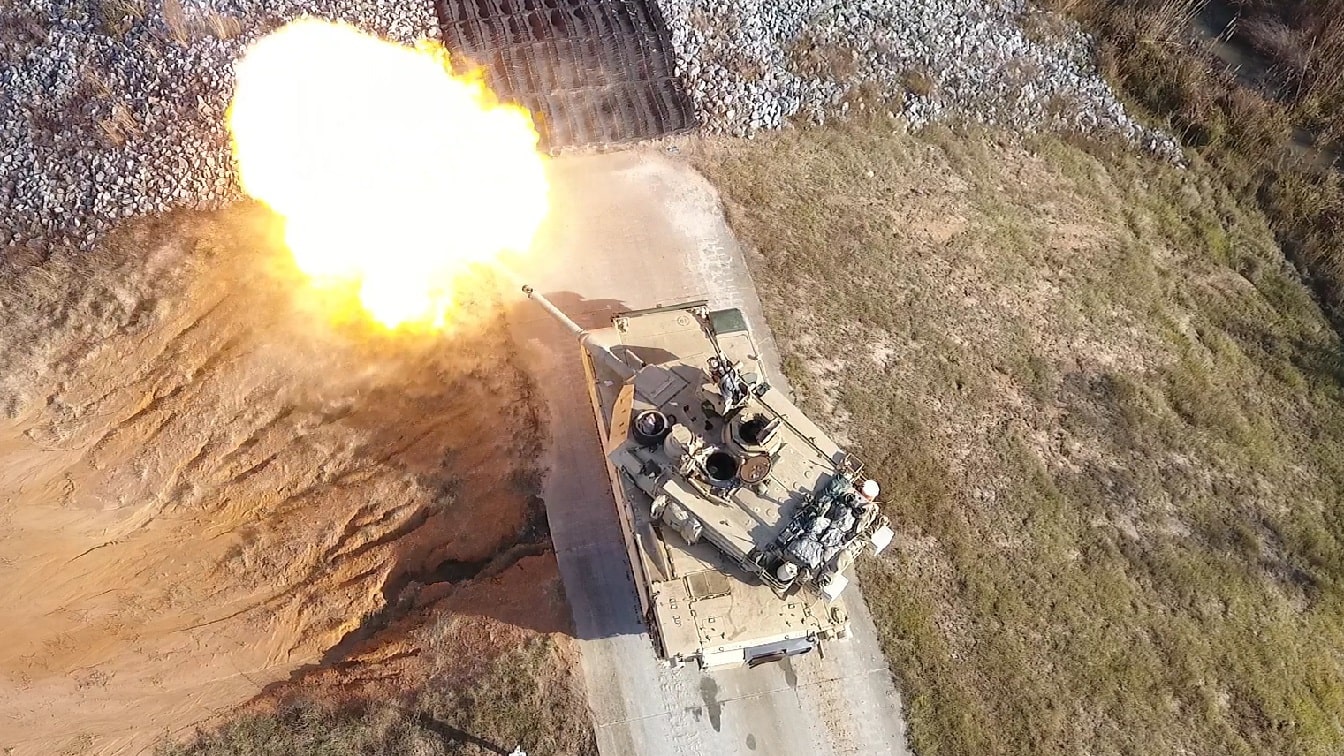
(207, 483)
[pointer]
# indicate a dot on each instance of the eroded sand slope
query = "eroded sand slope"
(205, 483)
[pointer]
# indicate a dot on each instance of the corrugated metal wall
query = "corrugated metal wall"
(593, 72)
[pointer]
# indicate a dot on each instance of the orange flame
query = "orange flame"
(391, 172)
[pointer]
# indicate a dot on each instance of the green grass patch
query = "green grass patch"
(1269, 137)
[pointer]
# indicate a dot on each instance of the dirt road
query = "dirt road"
(637, 229)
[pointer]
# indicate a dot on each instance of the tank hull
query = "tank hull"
(699, 605)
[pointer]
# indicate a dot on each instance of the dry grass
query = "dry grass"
(185, 27)
(118, 15)
(1304, 42)
(223, 26)
(19, 32)
(919, 83)
(521, 696)
(118, 125)
(1252, 136)
(1110, 421)
(174, 17)
(810, 56)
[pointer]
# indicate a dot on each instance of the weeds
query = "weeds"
(118, 125)
(183, 27)
(1261, 135)
(812, 57)
(174, 17)
(919, 82)
(119, 15)
(1109, 422)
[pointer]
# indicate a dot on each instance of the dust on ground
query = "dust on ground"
(210, 485)
(1108, 419)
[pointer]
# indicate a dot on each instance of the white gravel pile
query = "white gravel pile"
(753, 65)
(107, 111)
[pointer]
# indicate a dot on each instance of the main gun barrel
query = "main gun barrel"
(554, 311)
(598, 351)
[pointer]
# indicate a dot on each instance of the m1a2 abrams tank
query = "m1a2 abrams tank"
(741, 516)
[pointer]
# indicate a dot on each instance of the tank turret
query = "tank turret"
(741, 515)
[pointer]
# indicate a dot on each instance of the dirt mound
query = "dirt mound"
(208, 483)
(443, 680)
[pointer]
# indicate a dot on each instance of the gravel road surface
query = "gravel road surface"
(637, 229)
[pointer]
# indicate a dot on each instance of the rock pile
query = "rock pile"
(753, 66)
(115, 108)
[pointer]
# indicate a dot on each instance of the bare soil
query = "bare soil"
(209, 486)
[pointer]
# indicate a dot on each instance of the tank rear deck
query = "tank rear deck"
(704, 605)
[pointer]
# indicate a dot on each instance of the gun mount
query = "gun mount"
(741, 515)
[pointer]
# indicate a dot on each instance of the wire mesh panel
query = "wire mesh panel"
(592, 72)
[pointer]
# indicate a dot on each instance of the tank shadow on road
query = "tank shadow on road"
(590, 549)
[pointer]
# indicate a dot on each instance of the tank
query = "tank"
(742, 518)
